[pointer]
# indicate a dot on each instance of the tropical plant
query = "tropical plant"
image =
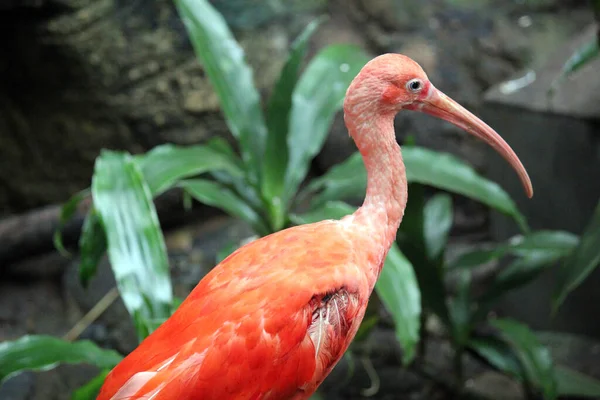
(511, 347)
(582, 56)
(262, 186)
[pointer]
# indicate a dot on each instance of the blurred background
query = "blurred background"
(80, 76)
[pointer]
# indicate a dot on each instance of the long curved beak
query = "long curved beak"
(439, 105)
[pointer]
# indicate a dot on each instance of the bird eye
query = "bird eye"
(414, 85)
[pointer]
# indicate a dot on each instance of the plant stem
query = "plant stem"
(92, 315)
(422, 349)
(459, 368)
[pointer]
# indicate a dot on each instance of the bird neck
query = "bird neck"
(385, 201)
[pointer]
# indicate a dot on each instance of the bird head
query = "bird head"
(394, 82)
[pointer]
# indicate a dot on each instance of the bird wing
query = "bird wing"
(270, 321)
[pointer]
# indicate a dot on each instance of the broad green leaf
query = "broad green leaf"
(573, 383)
(559, 243)
(164, 165)
(317, 97)
(411, 239)
(330, 210)
(551, 244)
(231, 77)
(444, 171)
(278, 117)
(136, 246)
(535, 253)
(477, 257)
(398, 290)
(67, 211)
(42, 353)
(215, 195)
(533, 356)
(428, 167)
(92, 245)
(581, 57)
(498, 354)
(346, 180)
(234, 181)
(397, 285)
(581, 262)
(460, 309)
(437, 221)
(90, 390)
(519, 273)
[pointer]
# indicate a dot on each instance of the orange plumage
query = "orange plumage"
(272, 319)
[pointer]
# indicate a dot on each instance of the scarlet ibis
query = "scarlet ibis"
(272, 319)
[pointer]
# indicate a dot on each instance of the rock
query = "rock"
(464, 50)
(86, 75)
(577, 97)
(574, 351)
(18, 387)
(559, 146)
(37, 307)
(490, 384)
(45, 266)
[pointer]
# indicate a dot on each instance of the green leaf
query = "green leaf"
(90, 390)
(92, 245)
(552, 244)
(231, 77)
(67, 211)
(581, 57)
(575, 384)
(437, 221)
(318, 96)
(535, 253)
(398, 290)
(346, 180)
(559, 243)
(164, 165)
(460, 310)
(411, 239)
(581, 262)
(477, 257)
(330, 210)
(136, 246)
(233, 181)
(278, 116)
(444, 171)
(427, 167)
(498, 354)
(534, 357)
(42, 353)
(519, 273)
(215, 195)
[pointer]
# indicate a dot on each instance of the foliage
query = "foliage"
(422, 238)
(40, 353)
(582, 261)
(262, 187)
(582, 56)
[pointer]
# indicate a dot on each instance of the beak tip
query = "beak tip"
(528, 189)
